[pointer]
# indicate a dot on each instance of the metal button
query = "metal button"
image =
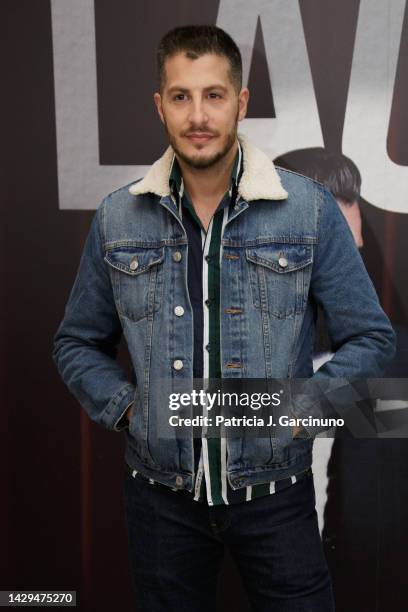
(177, 364)
(283, 262)
(179, 311)
(177, 256)
(208, 302)
(208, 258)
(179, 481)
(208, 347)
(134, 264)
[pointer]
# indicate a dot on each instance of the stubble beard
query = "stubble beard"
(198, 162)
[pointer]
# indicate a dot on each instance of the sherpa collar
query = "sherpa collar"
(259, 180)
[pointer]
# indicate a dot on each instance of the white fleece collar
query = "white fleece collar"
(259, 180)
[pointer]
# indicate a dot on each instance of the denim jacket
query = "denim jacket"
(286, 248)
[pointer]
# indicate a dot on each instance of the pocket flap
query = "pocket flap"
(281, 257)
(134, 260)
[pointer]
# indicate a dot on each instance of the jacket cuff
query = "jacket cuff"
(308, 430)
(320, 399)
(123, 421)
(117, 407)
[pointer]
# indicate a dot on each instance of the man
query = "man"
(212, 266)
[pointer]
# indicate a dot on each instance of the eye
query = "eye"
(179, 97)
(214, 95)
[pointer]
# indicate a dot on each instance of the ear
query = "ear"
(158, 101)
(243, 103)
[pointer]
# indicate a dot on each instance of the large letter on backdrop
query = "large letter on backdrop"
(384, 183)
(82, 181)
(297, 123)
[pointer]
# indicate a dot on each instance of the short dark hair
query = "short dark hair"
(336, 171)
(195, 41)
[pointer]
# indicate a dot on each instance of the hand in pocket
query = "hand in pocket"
(129, 412)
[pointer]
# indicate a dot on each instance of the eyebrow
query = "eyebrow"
(184, 90)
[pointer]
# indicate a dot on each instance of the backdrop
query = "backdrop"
(78, 122)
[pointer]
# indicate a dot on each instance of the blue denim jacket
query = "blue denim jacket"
(285, 248)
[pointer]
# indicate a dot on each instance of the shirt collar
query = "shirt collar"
(176, 182)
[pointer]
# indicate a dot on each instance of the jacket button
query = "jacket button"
(179, 481)
(208, 302)
(177, 364)
(177, 256)
(283, 262)
(179, 311)
(134, 264)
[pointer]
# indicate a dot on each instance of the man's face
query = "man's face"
(200, 108)
(353, 218)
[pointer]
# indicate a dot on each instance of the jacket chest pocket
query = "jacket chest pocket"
(279, 275)
(137, 279)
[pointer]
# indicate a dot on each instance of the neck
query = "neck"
(212, 182)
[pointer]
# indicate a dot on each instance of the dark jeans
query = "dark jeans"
(176, 547)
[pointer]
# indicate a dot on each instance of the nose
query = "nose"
(197, 115)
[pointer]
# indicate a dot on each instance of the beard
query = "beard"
(198, 162)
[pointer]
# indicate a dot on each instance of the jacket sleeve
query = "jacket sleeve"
(85, 344)
(361, 334)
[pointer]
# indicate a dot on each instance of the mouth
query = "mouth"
(199, 137)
